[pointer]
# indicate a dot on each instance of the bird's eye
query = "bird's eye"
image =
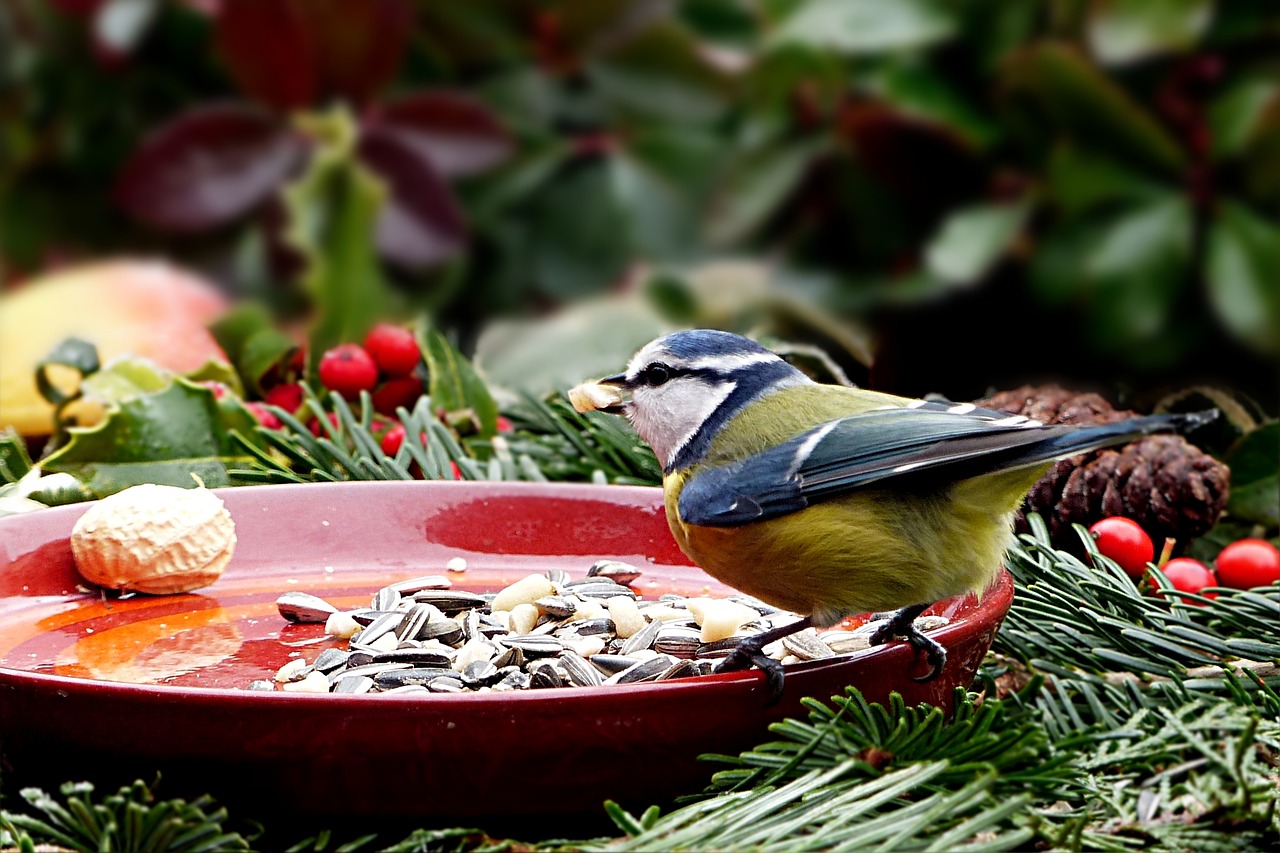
(655, 374)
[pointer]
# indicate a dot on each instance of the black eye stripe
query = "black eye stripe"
(659, 374)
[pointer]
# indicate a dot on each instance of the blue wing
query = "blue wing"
(930, 443)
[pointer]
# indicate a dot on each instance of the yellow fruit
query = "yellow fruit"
(154, 539)
(145, 308)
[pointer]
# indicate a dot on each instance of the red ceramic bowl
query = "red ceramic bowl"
(104, 689)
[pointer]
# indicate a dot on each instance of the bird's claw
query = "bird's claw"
(902, 625)
(749, 653)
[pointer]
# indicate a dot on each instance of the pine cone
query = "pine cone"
(1163, 482)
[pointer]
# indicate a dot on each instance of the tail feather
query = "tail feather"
(1085, 439)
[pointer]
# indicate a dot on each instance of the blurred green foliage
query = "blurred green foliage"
(948, 195)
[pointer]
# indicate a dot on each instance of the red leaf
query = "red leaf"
(270, 50)
(460, 135)
(207, 167)
(359, 45)
(420, 226)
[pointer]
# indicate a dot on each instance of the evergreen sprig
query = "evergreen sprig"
(1085, 622)
(571, 445)
(129, 821)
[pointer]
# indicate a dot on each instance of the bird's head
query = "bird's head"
(680, 389)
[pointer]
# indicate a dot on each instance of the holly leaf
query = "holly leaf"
(209, 166)
(160, 436)
(331, 210)
(455, 386)
(1255, 481)
(14, 460)
(249, 337)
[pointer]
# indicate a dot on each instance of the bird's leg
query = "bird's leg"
(902, 624)
(751, 651)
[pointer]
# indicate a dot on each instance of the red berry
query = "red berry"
(393, 439)
(1248, 563)
(264, 415)
(504, 424)
(457, 472)
(404, 391)
(347, 370)
(287, 396)
(1188, 575)
(1123, 540)
(393, 348)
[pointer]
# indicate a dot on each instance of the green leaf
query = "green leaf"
(1076, 98)
(1255, 476)
(578, 238)
(156, 437)
(454, 384)
(1237, 114)
(79, 355)
(661, 75)
(662, 179)
(332, 209)
(916, 88)
(1120, 32)
(757, 185)
(866, 26)
(973, 239)
(14, 460)
(250, 338)
(1128, 269)
(1243, 272)
(1080, 179)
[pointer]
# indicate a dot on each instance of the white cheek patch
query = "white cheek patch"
(668, 417)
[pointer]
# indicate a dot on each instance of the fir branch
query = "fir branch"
(129, 820)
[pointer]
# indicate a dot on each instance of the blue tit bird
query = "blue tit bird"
(827, 500)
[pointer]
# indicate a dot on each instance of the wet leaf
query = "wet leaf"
(866, 26)
(972, 240)
(1120, 32)
(1243, 271)
(269, 50)
(420, 226)
(156, 437)
(210, 166)
(454, 384)
(457, 134)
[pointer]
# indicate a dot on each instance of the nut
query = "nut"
(154, 539)
(591, 396)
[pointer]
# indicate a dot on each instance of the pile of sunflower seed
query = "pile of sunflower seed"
(544, 631)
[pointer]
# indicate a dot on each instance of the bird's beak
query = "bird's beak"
(604, 395)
